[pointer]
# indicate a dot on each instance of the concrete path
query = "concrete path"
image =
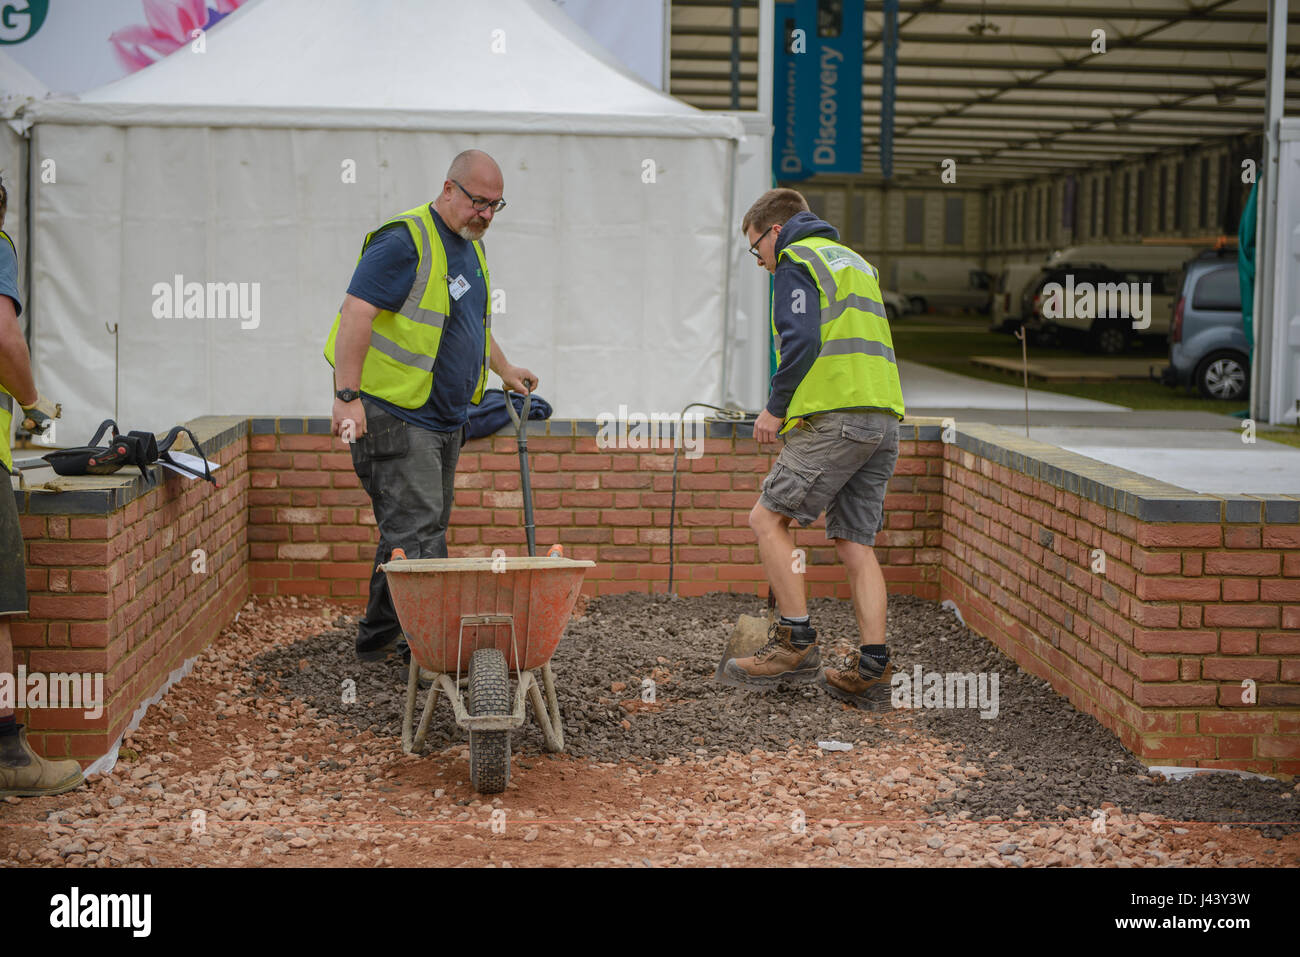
(1199, 451)
(1212, 462)
(925, 387)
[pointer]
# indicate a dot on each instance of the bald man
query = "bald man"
(411, 347)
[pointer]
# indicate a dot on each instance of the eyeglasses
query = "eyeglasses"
(481, 204)
(754, 248)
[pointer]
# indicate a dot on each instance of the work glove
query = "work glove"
(38, 416)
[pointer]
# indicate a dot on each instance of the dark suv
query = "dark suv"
(1207, 344)
(1109, 329)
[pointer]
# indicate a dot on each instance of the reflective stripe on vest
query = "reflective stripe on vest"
(855, 366)
(404, 345)
(6, 419)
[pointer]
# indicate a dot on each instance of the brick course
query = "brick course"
(1156, 627)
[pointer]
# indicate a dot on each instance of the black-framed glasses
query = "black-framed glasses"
(481, 204)
(753, 250)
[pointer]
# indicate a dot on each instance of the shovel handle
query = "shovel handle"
(515, 417)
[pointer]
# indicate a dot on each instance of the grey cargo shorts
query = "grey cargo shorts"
(13, 573)
(839, 463)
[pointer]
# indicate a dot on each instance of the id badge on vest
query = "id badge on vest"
(457, 287)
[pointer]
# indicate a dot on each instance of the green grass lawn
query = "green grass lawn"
(1286, 434)
(960, 337)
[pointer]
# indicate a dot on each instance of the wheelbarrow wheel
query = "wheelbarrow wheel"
(489, 693)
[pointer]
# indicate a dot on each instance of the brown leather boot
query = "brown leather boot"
(867, 694)
(24, 773)
(779, 661)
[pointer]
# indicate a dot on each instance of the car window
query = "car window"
(1218, 290)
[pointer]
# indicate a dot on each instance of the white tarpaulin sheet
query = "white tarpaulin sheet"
(18, 88)
(228, 168)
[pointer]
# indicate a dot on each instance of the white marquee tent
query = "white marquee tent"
(616, 254)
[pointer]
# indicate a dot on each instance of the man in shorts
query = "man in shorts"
(837, 401)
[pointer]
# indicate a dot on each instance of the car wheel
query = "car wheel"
(916, 304)
(1045, 337)
(891, 313)
(1223, 375)
(1110, 338)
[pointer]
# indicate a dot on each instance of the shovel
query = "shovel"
(747, 637)
(521, 432)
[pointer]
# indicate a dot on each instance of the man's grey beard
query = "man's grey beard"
(471, 232)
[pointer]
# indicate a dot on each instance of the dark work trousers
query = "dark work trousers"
(410, 475)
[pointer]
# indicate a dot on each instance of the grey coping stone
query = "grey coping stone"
(1242, 508)
(289, 426)
(1171, 509)
(1107, 485)
(1281, 510)
(559, 427)
(101, 501)
(585, 427)
(319, 425)
(262, 426)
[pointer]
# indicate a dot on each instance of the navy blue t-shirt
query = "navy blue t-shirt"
(9, 275)
(384, 278)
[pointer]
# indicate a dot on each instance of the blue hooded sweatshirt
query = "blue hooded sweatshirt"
(800, 332)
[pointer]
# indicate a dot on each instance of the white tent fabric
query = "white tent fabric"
(241, 165)
(18, 88)
(17, 85)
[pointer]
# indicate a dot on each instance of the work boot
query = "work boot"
(862, 682)
(377, 649)
(780, 661)
(24, 773)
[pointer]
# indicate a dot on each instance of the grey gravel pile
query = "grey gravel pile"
(1039, 753)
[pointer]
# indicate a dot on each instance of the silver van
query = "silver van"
(1207, 343)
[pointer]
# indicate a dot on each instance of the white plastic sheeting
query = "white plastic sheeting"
(1284, 354)
(18, 88)
(228, 167)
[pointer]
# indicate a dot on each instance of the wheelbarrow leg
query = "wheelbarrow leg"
(412, 688)
(548, 712)
(427, 717)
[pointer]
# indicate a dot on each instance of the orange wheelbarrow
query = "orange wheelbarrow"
(484, 618)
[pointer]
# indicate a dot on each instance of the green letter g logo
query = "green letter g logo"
(20, 19)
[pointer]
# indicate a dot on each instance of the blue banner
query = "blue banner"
(817, 88)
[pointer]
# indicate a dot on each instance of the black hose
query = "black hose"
(730, 415)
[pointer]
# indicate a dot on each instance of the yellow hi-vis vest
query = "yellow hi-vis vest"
(403, 345)
(855, 368)
(6, 400)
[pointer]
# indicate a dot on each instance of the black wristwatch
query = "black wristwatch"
(347, 395)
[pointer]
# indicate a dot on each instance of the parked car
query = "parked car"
(940, 283)
(1207, 344)
(1008, 296)
(1123, 255)
(895, 304)
(1092, 302)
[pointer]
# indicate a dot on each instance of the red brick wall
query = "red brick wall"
(1155, 648)
(116, 593)
(311, 529)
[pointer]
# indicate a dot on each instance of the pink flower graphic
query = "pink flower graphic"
(171, 23)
